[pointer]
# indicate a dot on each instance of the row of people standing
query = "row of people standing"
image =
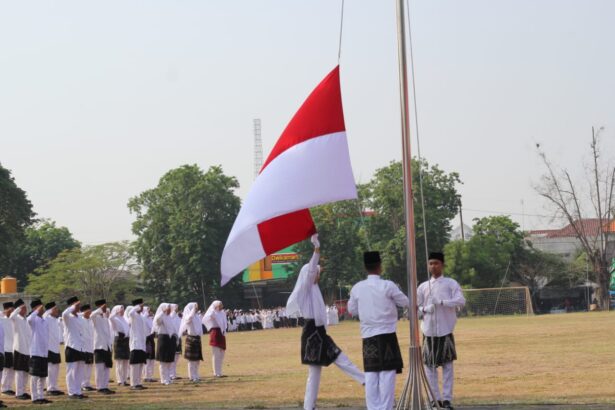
(132, 337)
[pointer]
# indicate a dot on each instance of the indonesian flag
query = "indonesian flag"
(308, 166)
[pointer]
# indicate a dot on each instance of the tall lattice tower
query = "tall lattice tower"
(258, 147)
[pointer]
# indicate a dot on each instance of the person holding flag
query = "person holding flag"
(317, 348)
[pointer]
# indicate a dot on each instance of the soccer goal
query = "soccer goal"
(497, 301)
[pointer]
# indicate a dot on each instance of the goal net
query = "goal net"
(497, 301)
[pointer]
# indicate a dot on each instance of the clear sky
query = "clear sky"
(99, 99)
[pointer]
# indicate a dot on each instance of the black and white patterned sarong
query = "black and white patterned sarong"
(438, 350)
(193, 351)
(1, 362)
(103, 356)
(21, 362)
(150, 346)
(165, 348)
(381, 353)
(53, 357)
(138, 357)
(121, 347)
(317, 347)
(38, 366)
(8, 360)
(71, 355)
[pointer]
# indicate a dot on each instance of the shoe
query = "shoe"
(46, 401)
(447, 405)
(88, 388)
(23, 397)
(55, 393)
(2, 405)
(27, 395)
(126, 384)
(435, 405)
(138, 387)
(104, 391)
(8, 393)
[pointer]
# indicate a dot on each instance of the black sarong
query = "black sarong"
(38, 366)
(53, 358)
(150, 347)
(103, 356)
(1, 362)
(438, 350)
(121, 347)
(193, 351)
(8, 360)
(178, 347)
(317, 347)
(71, 355)
(165, 348)
(138, 357)
(381, 353)
(88, 357)
(21, 362)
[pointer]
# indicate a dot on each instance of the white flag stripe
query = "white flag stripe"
(243, 251)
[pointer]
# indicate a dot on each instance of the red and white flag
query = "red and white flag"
(308, 166)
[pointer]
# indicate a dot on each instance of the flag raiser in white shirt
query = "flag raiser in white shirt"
(306, 299)
(103, 338)
(88, 333)
(40, 335)
(375, 301)
(138, 330)
(54, 331)
(22, 333)
(446, 296)
(73, 330)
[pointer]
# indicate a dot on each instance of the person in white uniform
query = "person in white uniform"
(138, 334)
(317, 348)
(121, 344)
(103, 343)
(53, 355)
(1, 354)
(75, 343)
(21, 349)
(150, 345)
(39, 348)
(178, 349)
(214, 320)
(438, 300)
(193, 351)
(8, 374)
(166, 343)
(88, 335)
(375, 301)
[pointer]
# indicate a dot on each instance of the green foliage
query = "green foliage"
(102, 271)
(182, 226)
(42, 243)
(15, 216)
(386, 228)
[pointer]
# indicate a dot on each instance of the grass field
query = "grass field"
(543, 359)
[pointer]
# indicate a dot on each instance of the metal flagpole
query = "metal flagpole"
(416, 393)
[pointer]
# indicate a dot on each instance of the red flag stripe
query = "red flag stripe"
(284, 230)
(320, 114)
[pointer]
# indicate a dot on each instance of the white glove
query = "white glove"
(315, 241)
(428, 309)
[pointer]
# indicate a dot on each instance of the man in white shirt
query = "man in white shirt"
(21, 349)
(438, 300)
(375, 301)
(150, 345)
(88, 354)
(53, 355)
(75, 348)
(138, 333)
(317, 348)
(103, 343)
(39, 348)
(8, 375)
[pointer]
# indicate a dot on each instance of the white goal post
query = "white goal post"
(497, 301)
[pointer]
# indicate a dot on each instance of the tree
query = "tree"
(102, 271)
(339, 227)
(42, 243)
(570, 199)
(386, 228)
(182, 226)
(15, 216)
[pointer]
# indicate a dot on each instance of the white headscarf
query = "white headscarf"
(215, 318)
(166, 319)
(306, 295)
(148, 320)
(118, 323)
(190, 317)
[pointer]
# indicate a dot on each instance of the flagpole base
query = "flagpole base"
(416, 394)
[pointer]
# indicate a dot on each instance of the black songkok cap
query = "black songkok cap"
(85, 307)
(436, 255)
(7, 305)
(100, 302)
(36, 303)
(50, 305)
(137, 302)
(371, 258)
(72, 300)
(18, 303)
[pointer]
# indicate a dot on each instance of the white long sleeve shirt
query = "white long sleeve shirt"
(54, 331)
(7, 326)
(164, 325)
(138, 330)
(22, 333)
(103, 338)
(73, 330)
(40, 335)
(446, 296)
(88, 334)
(306, 299)
(375, 301)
